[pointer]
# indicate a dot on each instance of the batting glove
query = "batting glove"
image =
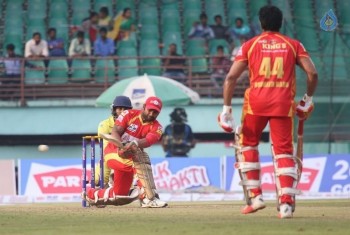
(305, 107)
(225, 119)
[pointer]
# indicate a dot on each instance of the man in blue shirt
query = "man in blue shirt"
(202, 29)
(56, 45)
(103, 46)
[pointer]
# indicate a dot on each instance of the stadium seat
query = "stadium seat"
(192, 4)
(14, 23)
(254, 7)
(196, 47)
(14, 7)
(128, 44)
(190, 16)
(103, 3)
(127, 68)
(148, 16)
(78, 16)
(149, 32)
(122, 4)
(81, 5)
(170, 17)
(16, 40)
(36, 9)
(62, 27)
(58, 9)
(344, 9)
(104, 68)
(81, 70)
(34, 75)
(236, 12)
(322, 8)
(172, 37)
(213, 8)
(58, 72)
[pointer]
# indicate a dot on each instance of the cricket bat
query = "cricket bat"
(299, 151)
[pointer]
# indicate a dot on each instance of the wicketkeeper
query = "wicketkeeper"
(138, 129)
(271, 58)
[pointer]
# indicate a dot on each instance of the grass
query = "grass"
(311, 217)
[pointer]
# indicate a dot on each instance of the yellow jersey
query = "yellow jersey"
(105, 127)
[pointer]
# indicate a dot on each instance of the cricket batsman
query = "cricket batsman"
(271, 58)
(138, 129)
(119, 104)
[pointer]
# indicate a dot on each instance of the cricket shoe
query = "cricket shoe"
(286, 211)
(257, 204)
(155, 203)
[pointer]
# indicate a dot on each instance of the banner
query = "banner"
(8, 177)
(63, 176)
(323, 173)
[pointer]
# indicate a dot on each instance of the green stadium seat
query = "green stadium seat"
(103, 69)
(151, 66)
(169, 5)
(322, 8)
(34, 75)
(37, 9)
(190, 16)
(127, 52)
(127, 68)
(122, 4)
(16, 40)
(213, 8)
(78, 16)
(58, 9)
(81, 5)
(255, 6)
(196, 47)
(15, 23)
(343, 9)
(172, 37)
(126, 44)
(236, 12)
(149, 32)
(148, 16)
(62, 27)
(81, 70)
(214, 43)
(192, 4)
(58, 72)
(150, 48)
(33, 29)
(14, 6)
(170, 17)
(103, 3)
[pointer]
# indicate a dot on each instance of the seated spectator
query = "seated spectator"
(219, 30)
(90, 26)
(178, 138)
(201, 30)
(56, 45)
(13, 66)
(123, 26)
(221, 66)
(104, 18)
(174, 66)
(80, 46)
(239, 30)
(244, 77)
(36, 47)
(103, 46)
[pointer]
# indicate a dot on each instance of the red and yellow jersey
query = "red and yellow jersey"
(271, 59)
(136, 129)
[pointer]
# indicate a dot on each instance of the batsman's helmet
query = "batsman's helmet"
(178, 115)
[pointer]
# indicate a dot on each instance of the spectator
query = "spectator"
(178, 138)
(244, 77)
(201, 30)
(239, 30)
(35, 47)
(104, 46)
(174, 66)
(13, 66)
(80, 46)
(221, 66)
(237, 47)
(219, 30)
(123, 26)
(104, 18)
(90, 26)
(56, 45)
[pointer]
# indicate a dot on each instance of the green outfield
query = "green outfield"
(311, 217)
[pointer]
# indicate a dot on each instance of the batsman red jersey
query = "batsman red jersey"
(136, 129)
(272, 58)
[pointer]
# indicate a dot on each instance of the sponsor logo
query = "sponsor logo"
(187, 177)
(329, 21)
(138, 93)
(60, 181)
(133, 127)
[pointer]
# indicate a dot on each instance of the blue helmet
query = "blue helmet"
(122, 101)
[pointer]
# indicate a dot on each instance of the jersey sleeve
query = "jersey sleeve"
(301, 51)
(242, 53)
(123, 119)
(154, 135)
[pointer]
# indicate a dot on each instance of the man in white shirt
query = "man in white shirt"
(36, 47)
(202, 29)
(80, 46)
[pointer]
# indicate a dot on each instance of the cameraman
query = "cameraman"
(178, 138)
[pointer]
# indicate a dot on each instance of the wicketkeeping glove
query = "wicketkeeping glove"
(305, 107)
(225, 119)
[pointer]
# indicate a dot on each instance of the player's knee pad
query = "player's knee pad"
(244, 167)
(290, 170)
